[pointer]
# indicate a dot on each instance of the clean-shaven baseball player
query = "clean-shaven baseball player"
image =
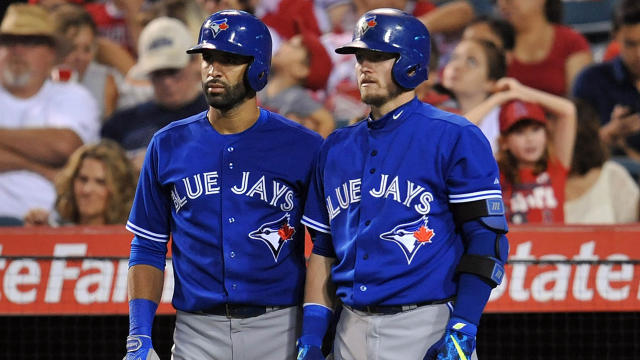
(406, 208)
(228, 186)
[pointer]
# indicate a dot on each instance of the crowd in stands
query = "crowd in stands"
(85, 84)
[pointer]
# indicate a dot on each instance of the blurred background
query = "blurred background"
(84, 85)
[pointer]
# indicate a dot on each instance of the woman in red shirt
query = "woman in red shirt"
(547, 55)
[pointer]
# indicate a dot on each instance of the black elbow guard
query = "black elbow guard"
(489, 211)
(487, 267)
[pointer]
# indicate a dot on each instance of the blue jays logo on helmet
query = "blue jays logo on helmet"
(217, 25)
(275, 234)
(365, 24)
(410, 237)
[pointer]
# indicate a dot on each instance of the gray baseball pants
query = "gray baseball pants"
(405, 335)
(270, 336)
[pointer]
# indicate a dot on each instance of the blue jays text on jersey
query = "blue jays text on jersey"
(232, 204)
(382, 190)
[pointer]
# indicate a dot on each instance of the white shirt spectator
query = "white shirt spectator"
(612, 199)
(490, 126)
(56, 105)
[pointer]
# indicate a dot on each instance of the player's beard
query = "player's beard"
(232, 96)
(378, 100)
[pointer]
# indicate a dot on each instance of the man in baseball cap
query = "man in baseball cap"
(175, 79)
(161, 46)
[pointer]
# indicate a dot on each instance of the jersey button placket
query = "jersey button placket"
(372, 162)
(228, 157)
(227, 169)
(373, 153)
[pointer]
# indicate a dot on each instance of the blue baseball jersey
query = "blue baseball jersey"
(232, 205)
(383, 189)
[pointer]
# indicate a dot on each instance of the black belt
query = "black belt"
(237, 311)
(394, 309)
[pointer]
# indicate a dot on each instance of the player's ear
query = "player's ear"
(250, 92)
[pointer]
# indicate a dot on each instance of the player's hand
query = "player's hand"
(458, 342)
(309, 352)
(139, 347)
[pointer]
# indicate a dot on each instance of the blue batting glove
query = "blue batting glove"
(139, 347)
(315, 322)
(458, 342)
(309, 352)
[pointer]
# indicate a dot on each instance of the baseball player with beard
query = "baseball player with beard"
(228, 186)
(406, 211)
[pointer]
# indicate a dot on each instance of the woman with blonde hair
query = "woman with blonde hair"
(95, 187)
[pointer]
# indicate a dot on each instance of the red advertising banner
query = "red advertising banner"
(586, 268)
(83, 270)
(69, 270)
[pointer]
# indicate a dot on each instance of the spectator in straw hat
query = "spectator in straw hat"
(55, 117)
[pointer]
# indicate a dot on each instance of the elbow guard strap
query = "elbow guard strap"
(486, 267)
(489, 211)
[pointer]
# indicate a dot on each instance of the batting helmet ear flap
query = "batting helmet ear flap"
(250, 90)
(257, 74)
(408, 72)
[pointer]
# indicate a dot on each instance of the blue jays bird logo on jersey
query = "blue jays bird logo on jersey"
(274, 234)
(410, 237)
(366, 24)
(217, 25)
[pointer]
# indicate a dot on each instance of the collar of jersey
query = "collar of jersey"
(394, 117)
(261, 119)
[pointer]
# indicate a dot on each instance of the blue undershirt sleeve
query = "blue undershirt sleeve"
(148, 252)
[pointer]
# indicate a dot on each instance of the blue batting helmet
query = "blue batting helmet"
(240, 33)
(394, 31)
